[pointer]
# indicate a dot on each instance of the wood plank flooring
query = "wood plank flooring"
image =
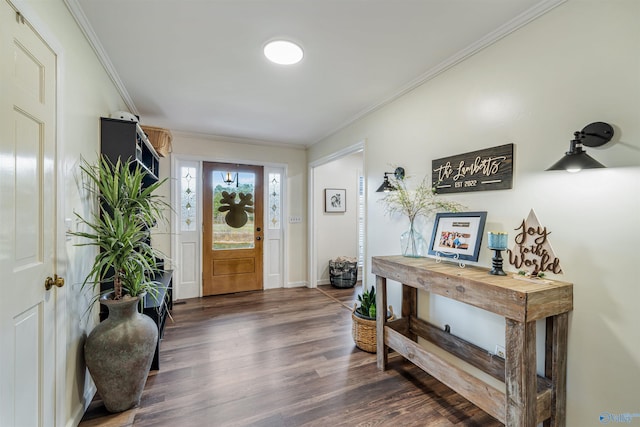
(282, 357)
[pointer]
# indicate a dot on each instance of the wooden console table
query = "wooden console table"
(528, 399)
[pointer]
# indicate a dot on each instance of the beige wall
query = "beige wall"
(293, 159)
(577, 64)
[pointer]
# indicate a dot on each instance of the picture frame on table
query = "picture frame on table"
(335, 200)
(458, 235)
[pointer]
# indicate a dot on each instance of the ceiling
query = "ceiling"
(197, 65)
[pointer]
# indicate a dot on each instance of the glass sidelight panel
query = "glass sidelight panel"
(233, 210)
(275, 201)
(188, 199)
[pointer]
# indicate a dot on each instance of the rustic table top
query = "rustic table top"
(511, 296)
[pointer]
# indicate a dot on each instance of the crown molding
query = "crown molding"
(489, 39)
(86, 28)
(235, 140)
(516, 23)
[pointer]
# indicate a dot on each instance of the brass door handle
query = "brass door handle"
(50, 282)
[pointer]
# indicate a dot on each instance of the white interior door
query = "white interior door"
(27, 224)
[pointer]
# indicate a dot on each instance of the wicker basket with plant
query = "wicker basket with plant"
(363, 327)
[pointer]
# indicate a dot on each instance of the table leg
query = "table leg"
(556, 367)
(409, 308)
(382, 351)
(520, 373)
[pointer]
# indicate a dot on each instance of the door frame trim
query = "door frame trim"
(344, 152)
(175, 159)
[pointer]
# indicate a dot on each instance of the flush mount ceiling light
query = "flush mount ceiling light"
(283, 52)
(576, 159)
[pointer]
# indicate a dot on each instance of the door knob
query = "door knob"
(50, 282)
(258, 238)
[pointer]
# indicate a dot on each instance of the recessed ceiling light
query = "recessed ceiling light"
(283, 52)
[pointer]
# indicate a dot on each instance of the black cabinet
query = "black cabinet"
(158, 306)
(126, 140)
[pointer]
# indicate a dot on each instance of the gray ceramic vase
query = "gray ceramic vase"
(119, 352)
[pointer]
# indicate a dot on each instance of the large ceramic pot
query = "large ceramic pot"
(119, 352)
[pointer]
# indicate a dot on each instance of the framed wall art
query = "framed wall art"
(335, 200)
(458, 234)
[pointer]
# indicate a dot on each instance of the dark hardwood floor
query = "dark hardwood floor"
(282, 357)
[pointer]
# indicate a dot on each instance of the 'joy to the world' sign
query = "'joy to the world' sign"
(488, 169)
(532, 251)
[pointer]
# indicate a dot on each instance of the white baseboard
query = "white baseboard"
(301, 284)
(81, 408)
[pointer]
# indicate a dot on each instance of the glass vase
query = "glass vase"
(412, 243)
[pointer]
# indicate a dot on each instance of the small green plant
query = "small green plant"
(538, 275)
(367, 300)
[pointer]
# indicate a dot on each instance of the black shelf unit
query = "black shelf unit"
(158, 307)
(126, 140)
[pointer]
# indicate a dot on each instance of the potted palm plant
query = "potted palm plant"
(119, 350)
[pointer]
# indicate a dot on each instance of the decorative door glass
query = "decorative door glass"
(274, 201)
(233, 210)
(188, 189)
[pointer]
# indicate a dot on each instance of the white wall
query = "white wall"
(336, 233)
(293, 158)
(578, 64)
(85, 93)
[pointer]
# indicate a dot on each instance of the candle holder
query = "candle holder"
(497, 263)
(497, 243)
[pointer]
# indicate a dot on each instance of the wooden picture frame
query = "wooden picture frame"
(335, 200)
(458, 235)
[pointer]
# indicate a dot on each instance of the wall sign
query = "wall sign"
(532, 252)
(488, 169)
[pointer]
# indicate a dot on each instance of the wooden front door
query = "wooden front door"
(27, 225)
(232, 227)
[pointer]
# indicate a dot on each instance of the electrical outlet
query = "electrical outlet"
(500, 351)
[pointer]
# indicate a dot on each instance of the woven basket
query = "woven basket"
(364, 331)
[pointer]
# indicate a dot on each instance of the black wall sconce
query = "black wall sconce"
(386, 185)
(593, 135)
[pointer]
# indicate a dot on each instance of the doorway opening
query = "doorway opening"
(337, 234)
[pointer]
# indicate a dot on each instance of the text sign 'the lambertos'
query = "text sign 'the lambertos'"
(482, 170)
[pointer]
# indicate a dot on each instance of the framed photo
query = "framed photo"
(335, 200)
(458, 234)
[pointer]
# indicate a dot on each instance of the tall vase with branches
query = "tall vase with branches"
(413, 203)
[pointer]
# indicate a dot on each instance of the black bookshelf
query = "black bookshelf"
(124, 140)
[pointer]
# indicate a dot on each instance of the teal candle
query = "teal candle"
(497, 240)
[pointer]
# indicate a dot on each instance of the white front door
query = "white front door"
(27, 224)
